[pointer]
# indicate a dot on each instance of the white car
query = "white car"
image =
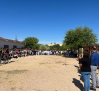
(46, 52)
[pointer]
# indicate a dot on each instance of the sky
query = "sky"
(48, 20)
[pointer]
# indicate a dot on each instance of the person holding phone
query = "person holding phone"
(84, 66)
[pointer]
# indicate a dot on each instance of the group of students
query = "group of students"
(6, 54)
(88, 66)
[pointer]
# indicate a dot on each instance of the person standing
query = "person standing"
(4, 57)
(38, 52)
(84, 66)
(94, 64)
(7, 55)
(0, 56)
(53, 52)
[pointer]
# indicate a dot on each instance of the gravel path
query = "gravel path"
(41, 73)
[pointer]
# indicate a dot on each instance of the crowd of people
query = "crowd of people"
(88, 66)
(6, 54)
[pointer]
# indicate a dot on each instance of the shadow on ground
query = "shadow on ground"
(7, 62)
(16, 71)
(81, 77)
(65, 64)
(76, 66)
(77, 69)
(11, 61)
(78, 84)
(69, 56)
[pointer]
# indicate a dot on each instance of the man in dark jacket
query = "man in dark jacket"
(94, 64)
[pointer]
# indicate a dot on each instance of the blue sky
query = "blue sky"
(47, 20)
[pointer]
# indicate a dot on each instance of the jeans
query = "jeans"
(36, 53)
(0, 59)
(48, 53)
(86, 78)
(7, 56)
(41, 53)
(94, 76)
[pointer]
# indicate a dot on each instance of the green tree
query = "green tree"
(64, 47)
(51, 47)
(44, 47)
(54, 43)
(55, 47)
(79, 37)
(31, 42)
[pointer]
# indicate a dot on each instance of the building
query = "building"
(54, 44)
(7, 43)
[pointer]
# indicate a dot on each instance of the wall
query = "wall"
(2, 43)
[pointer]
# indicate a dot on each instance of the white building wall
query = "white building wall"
(11, 44)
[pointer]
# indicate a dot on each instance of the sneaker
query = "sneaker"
(93, 89)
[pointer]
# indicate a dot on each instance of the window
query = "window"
(14, 46)
(6, 46)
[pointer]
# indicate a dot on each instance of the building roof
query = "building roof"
(15, 41)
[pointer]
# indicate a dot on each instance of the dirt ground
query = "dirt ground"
(41, 73)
